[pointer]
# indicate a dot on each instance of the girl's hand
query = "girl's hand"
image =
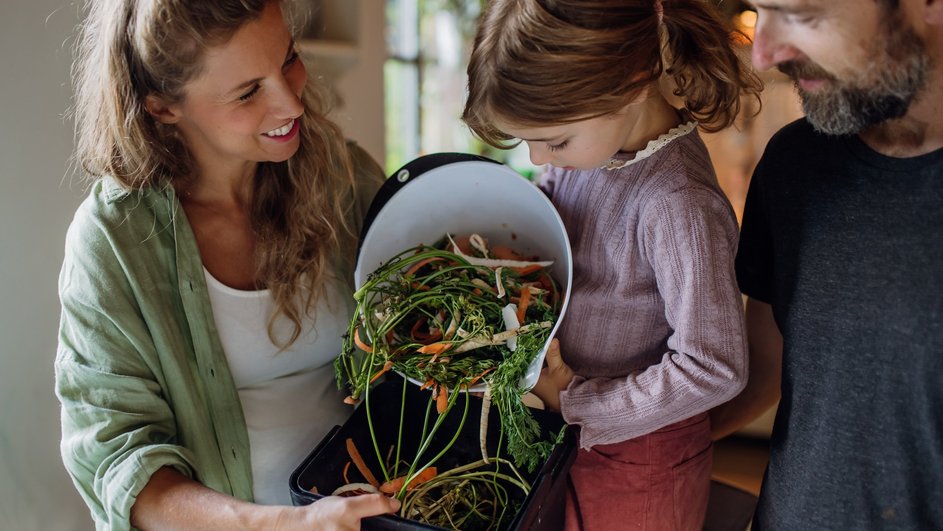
(555, 377)
(335, 513)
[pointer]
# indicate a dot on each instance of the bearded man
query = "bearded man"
(841, 258)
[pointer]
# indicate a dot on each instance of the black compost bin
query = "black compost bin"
(322, 470)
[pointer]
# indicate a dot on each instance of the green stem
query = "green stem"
(373, 436)
(399, 433)
(424, 445)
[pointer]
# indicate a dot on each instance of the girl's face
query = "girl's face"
(581, 145)
(245, 105)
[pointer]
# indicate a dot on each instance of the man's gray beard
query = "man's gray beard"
(899, 73)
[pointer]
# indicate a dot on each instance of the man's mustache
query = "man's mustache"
(804, 70)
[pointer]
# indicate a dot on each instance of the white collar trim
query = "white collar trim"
(653, 146)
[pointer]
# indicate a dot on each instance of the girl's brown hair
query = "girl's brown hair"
(129, 49)
(540, 62)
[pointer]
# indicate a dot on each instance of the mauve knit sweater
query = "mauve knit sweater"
(654, 329)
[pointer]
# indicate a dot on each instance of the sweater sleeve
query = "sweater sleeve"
(689, 237)
(117, 428)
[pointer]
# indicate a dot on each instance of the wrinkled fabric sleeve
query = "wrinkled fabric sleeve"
(690, 239)
(117, 429)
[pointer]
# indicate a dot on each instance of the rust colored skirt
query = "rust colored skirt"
(656, 482)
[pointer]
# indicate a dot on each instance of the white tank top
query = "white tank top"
(289, 398)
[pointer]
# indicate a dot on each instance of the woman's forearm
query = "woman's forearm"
(172, 501)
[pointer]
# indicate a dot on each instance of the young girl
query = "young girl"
(654, 335)
(207, 276)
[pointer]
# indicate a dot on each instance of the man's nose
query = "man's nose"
(771, 46)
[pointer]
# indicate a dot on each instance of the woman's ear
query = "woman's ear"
(162, 111)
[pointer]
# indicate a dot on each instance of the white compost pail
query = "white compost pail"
(460, 195)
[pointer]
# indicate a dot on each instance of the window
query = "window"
(424, 76)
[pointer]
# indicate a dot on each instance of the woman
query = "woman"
(205, 285)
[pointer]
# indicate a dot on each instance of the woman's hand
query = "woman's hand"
(335, 513)
(555, 377)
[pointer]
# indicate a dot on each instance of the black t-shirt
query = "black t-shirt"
(847, 246)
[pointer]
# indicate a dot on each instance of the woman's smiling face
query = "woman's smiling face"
(245, 105)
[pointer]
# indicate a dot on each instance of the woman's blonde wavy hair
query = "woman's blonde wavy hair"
(553, 62)
(129, 49)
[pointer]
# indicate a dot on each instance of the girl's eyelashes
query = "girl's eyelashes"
(252, 92)
(557, 147)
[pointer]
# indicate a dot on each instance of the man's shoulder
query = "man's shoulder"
(798, 148)
(798, 133)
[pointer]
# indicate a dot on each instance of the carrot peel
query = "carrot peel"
(442, 401)
(522, 306)
(394, 485)
(359, 342)
(474, 380)
(386, 367)
(360, 464)
(415, 267)
(526, 270)
(435, 348)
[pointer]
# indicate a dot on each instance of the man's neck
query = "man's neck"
(918, 132)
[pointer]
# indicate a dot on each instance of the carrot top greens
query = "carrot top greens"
(450, 320)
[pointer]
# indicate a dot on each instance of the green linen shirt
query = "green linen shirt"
(141, 374)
